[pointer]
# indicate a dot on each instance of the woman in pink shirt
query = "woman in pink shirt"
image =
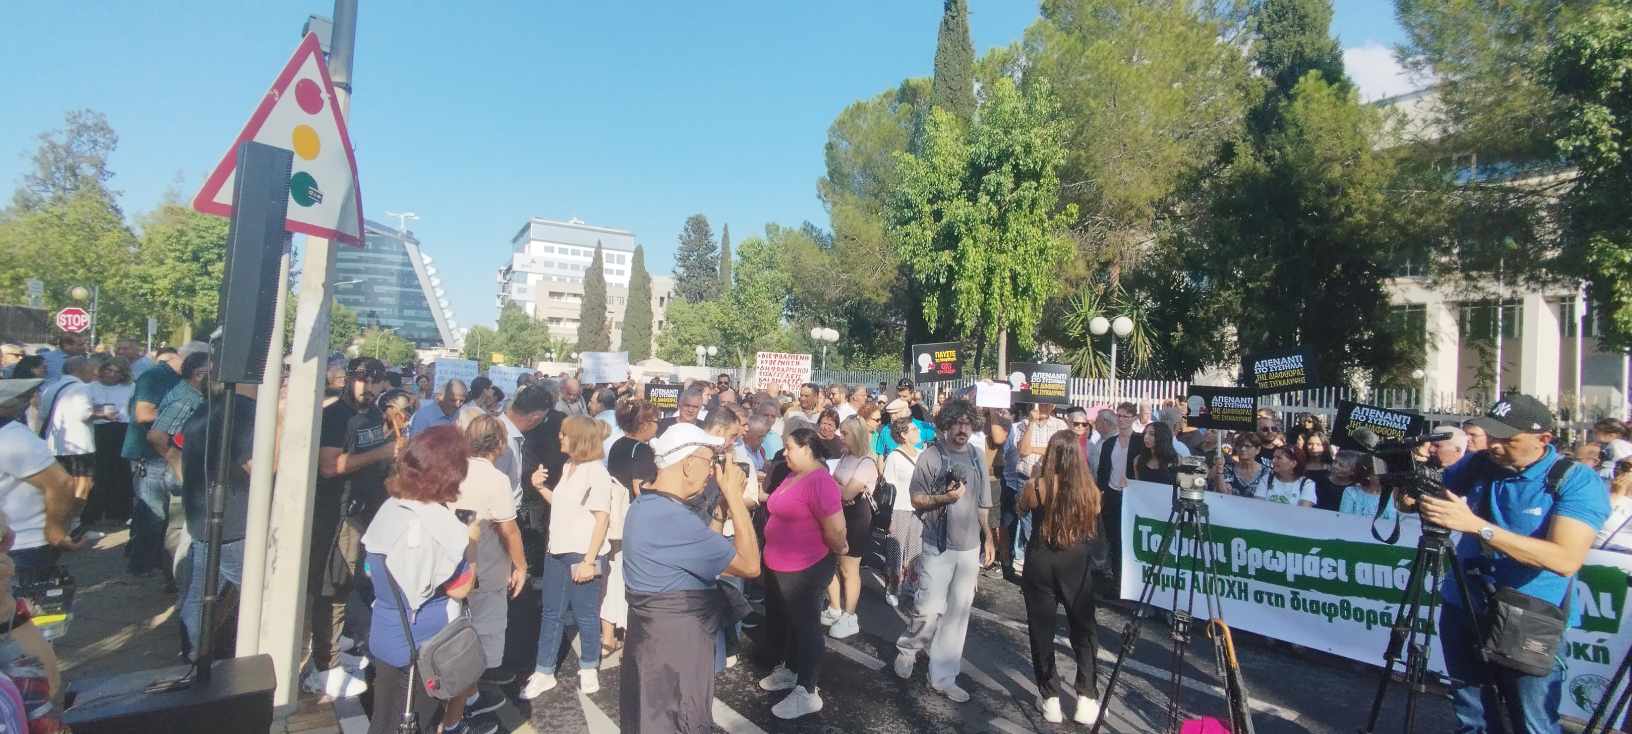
(804, 533)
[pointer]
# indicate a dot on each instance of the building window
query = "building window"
(1478, 320)
(1593, 318)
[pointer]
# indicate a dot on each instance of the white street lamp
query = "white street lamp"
(704, 352)
(1121, 327)
(824, 336)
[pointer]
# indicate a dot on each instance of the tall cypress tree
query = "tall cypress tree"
(1292, 38)
(637, 312)
(954, 86)
(697, 261)
(593, 333)
(725, 259)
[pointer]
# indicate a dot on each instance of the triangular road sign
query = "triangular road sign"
(298, 114)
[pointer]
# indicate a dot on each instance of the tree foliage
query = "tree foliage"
(594, 333)
(953, 89)
(181, 265)
(344, 326)
(522, 339)
(386, 346)
(69, 161)
(686, 326)
(637, 310)
(79, 239)
(725, 258)
(697, 261)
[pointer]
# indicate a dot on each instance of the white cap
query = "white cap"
(680, 441)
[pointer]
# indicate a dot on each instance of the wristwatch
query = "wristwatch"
(1487, 533)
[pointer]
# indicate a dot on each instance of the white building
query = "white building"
(545, 274)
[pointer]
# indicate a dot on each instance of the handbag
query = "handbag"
(884, 502)
(449, 663)
(1522, 632)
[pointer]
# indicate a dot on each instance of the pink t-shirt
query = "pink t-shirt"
(793, 535)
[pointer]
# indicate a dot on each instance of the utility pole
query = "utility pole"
(284, 590)
(258, 528)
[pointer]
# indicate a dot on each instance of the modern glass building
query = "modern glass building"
(391, 284)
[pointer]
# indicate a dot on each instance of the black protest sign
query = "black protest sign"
(1281, 371)
(1229, 408)
(663, 397)
(1385, 424)
(940, 362)
(1040, 383)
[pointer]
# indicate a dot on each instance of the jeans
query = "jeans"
(150, 515)
(940, 620)
(793, 610)
(1055, 577)
(1532, 700)
(563, 596)
(192, 600)
(31, 562)
(1016, 527)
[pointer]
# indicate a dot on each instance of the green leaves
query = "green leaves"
(637, 310)
(594, 332)
(386, 346)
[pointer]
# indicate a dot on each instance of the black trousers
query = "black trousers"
(391, 688)
(1051, 578)
(793, 618)
(1110, 513)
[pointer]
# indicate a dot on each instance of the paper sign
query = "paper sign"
(603, 368)
(505, 377)
(787, 371)
(448, 368)
(937, 362)
(1232, 408)
(663, 397)
(1282, 371)
(992, 395)
(1388, 425)
(1040, 383)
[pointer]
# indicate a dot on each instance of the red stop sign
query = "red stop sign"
(73, 320)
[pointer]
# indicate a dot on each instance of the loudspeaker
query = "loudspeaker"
(237, 698)
(255, 242)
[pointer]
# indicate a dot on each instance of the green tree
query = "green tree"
(79, 239)
(519, 337)
(181, 265)
(978, 215)
(697, 261)
(68, 161)
(750, 315)
(344, 326)
(686, 326)
(594, 332)
(479, 343)
(954, 83)
(386, 346)
(637, 310)
(725, 258)
(1590, 73)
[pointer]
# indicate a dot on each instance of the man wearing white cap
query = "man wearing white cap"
(36, 494)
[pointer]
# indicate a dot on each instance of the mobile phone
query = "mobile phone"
(78, 533)
(465, 516)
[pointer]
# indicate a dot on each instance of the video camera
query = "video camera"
(1190, 478)
(1397, 469)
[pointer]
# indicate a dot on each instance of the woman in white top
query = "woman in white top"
(857, 474)
(1617, 531)
(1285, 482)
(574, 574)
(906, 530)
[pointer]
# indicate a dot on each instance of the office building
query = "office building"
(392, 284)
(545, 274)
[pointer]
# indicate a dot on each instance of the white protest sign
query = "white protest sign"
(787, 371)
(603, 367)
(992, 394)
(504, 377)
(448, 368)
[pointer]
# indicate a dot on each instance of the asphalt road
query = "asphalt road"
(1292, 690)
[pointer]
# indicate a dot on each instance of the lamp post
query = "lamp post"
(824, 336)
(79, 293)
(1417, 376)
(1120, 328)
(703, 353)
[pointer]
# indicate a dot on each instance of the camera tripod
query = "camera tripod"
(1189, 519)
(1412, 636)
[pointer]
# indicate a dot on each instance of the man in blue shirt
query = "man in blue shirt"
(443, 411)
(1518, 534)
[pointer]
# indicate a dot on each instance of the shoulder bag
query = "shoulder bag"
(449, 663)
(1522, 633)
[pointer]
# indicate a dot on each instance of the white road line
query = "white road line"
(599, 722)
(732, 722)
(845, 649)
(980, 676)
(1004, 725)
(349, 714)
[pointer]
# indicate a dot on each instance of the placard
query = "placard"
(1040, 383)
(505, 377)
(1231, 408)
(1281, 371)
(603, 368)
(1388, 425)
(784, 370)
(664, 397)
(993, 395)
(941, 362)
(448, 368)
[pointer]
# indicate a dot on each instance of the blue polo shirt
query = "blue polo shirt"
(1519, 503)
(666, 547)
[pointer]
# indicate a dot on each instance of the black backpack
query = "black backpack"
(883, 501)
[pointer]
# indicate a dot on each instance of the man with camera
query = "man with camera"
(1527, 522)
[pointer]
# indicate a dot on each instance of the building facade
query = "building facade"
(392, 284)
(544, 274)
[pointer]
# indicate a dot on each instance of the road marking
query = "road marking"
(599, 722)
(867, 661)
(1004, 725)
(349, 714)
(732, 722)
(980, 676)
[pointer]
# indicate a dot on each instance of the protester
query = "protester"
(419, 559)
(1451, 450)
(1192, 438)
(950, 489)
(36, 494)
(1007, 473)
(478, 401)
(30, 673)
(111, 496)
(1477, 440)
(1615, 533)
(1534, 554)
(1035, 430)
(672, 562)
(444, 411)
(1286, 483)
(422, 386)
(829, 446)
(1076, 419)
(906, 530)
(604, 408)
(69, 344)
(688, 410)
(1116, 462)
(150, 514)
(1612, 434)
(68, 423)
(805, 534)
(630, 460)
(756, 443)
(201, 440)
(1245, 472)
(857, 475)
(179, 405)
(893, 410)
(1065, 507)
(574, 574)
(1362, 490)
(1104, 425)
(398, 408)
(1316, 453)
(571, 401)
(839, 400)
(11, 353)
(808, 410)
(1157, 460)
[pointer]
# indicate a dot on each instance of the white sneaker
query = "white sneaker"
(1087, 710)
(336, 682)
(537, 684)
(903, 665)
(354, 663)
(589, 681)
(348, 645)
(952, 691)
(800, 702)
(780, 679)
(831, 615)
(1051, 710)
(730, 662)
(848, 625)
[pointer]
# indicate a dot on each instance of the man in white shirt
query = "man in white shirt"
(36, 495)
(849, 403)
(68, 429)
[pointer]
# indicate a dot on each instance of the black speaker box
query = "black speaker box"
(237, 699)
(255, 242)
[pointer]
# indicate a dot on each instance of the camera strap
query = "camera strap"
(1383, 500)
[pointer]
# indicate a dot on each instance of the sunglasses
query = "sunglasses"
(1079, 424)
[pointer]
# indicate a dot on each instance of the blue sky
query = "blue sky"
(624, 114)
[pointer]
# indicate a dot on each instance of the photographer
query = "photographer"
(1526, 528)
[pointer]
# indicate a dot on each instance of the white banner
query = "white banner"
(1318, 579)
(603, 367)
(448, 368)
(506, 376)
(787, 371)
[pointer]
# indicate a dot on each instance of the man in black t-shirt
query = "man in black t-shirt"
(200, 441)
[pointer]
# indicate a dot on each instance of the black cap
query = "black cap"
(904, 384)
(1513, 415)
(368, 367)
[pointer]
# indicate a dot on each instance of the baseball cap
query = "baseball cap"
(1513, 415)
(679, 441)
(11, 389)
(904, 383)
(897, 408)
(366, 366)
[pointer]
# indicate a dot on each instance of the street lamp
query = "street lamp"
(824, 336)
(79, 293)
(703, 353)
(1120, 327)
(1417, 376)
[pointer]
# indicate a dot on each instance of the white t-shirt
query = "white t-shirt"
(116, 395)
(1617, 531)
(71, 432)
(1298, 490)
(486, 491)
(584, 489)
(22, 455)
(845, 411)
(1614, 451)
(898, 468)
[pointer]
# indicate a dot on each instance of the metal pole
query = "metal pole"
(216, 501)
(1580, 323)
(96, 300)
(1114, 396)
(285, 588)
(258, 525)
(1500, 294)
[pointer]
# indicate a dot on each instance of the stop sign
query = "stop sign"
(73, 319)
